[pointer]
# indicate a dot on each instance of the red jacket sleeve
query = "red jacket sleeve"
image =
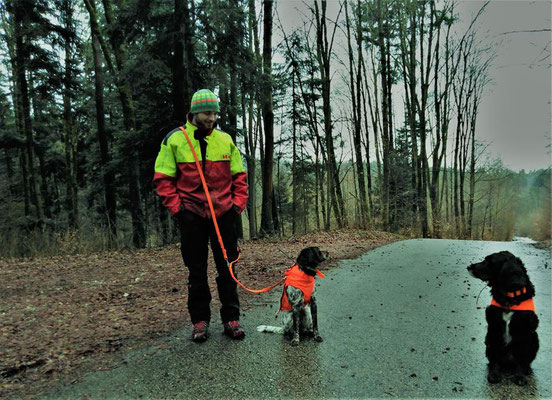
(165, 186)
(164, 179)
(239, 179)
(239, 190)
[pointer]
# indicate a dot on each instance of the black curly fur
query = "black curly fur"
(512, 342)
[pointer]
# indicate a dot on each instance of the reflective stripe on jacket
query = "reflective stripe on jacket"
(177, 182)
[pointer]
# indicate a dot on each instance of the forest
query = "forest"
(364, 118)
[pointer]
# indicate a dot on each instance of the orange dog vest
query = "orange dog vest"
(527, 305)
(300, 280)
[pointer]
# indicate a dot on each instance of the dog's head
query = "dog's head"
(310, 258)
(507, 277)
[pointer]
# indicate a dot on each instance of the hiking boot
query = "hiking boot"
(234, 330)
(199, 333)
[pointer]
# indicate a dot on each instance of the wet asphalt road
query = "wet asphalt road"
(401, 321)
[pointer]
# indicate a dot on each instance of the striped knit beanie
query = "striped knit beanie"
(204, 100)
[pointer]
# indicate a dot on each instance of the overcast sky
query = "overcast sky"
(515, 114)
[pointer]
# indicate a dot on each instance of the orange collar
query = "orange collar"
(517, 293)
(527, 305)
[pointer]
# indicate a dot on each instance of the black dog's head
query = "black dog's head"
(505, 274)
(310, 258)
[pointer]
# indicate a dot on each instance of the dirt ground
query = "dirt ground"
(64, 316)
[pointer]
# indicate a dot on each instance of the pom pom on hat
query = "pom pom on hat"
(204, 100)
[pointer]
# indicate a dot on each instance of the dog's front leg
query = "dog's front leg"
(493, 352)
(296, 315)
(314, 312)
(494, 343)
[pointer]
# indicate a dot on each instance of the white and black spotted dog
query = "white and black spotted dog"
(298, 302)
(511, 342)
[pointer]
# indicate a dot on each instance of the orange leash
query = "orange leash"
(215, 223)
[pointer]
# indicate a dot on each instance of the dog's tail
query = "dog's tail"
(271, 329)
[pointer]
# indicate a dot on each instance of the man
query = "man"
(178, 183)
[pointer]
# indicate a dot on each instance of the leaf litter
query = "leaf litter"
(63, 316)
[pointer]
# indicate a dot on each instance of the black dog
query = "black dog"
(511, 342)
(298, 302)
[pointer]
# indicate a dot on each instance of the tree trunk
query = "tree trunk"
(355, 81)
(70, 137)
(408, 35)
(26, 184)
(21, 60)
(119, 50)
(250, 150)
(386, 138)
(324, 52)
(233, 127)
(44, 188)
(374, 117)
(252, 135)
(471, 197)
(319, 191)
(442, 118)
(294, 158)
(376, 122)
(10, 174)
(267, 221)
(108, 176)
(179, 98)
(19, 120)
(425, 70)
(367, 152)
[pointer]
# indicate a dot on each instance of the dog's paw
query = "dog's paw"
(318, 338)
(520, 380)
(295, 342)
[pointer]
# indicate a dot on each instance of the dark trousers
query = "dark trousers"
(196, 233)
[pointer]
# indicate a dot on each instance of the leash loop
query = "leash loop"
(215, 223)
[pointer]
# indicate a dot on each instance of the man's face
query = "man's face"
(205, 119)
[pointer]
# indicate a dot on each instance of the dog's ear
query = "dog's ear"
(304, 257)
(317, 255)
(489, 269)
(310, 256)
(521, 265)
(497, 260)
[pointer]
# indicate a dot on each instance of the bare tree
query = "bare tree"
(324, 48)
(355, 86)
(267, 217)
(383, 41)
